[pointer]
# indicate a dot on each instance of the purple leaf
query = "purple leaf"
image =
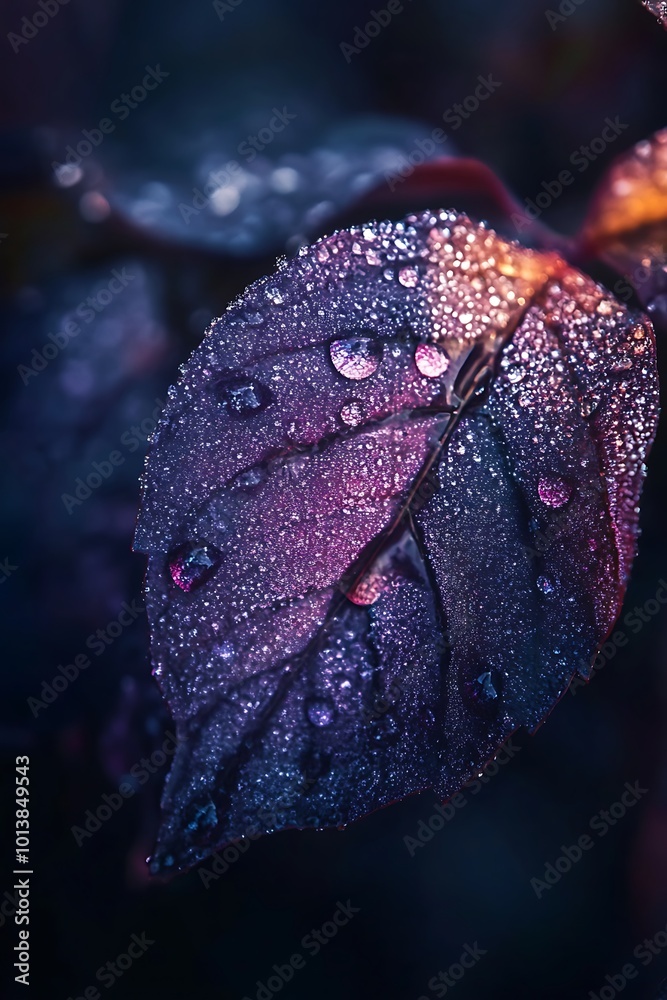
(391, 508)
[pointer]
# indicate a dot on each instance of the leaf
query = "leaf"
(390, 509)
(627, 221)
(658, 8)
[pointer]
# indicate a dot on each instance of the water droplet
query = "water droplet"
(356, 357)
(274, 295)
(515, 374)
(352, 413)
(588, 406)
(554, 491)
(192, 564)
(248, 480)
(243, 395)
(622, 365)
(225, 650)
(320, 711)
(431, 360)
(408, 277)
(483, 692)
(545, 585)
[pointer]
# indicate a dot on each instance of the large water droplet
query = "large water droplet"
(320, 711)
(431, 360)
(588, 406)
(408, 277)
(352, 413)
(250, 479)
(243, 395)
(554, 491)
(356, 357)
(621, 365)
(192, 564)
(483, 692)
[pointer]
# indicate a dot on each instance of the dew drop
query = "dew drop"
(408, 277)
(431, 360)
(320, 711)
(515, 374)
(243, 395)
(247, 481)
(554, 491)
(483, 692)
(622, 365)
(192, 564)
(352, 413)
(544, 585)
(225, 650)
(588, 406)
(356, 357)
(274, 295)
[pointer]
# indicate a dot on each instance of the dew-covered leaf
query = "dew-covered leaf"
(658, 8)
(390, 510)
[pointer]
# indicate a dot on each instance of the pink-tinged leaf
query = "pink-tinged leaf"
(390, 510)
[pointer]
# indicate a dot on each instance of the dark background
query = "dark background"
(73, 570)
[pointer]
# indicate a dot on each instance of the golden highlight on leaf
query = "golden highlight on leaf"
(627, 220)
